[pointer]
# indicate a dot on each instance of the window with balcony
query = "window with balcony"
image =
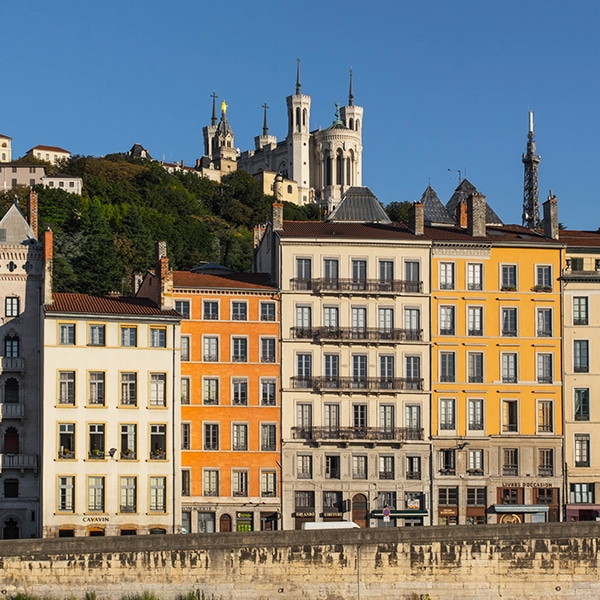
(267, 350)
(158, 337)
(96, 440)
(11, 346)
(331, 418)
(447, 276)
(268, 392)
(66, 441)
(129, 389)
(359, 322)
(239, 311)
(128, 337)
(267, 311)
(332, 466)
(447, 366)
(158, 494)
(475, 407)
(11, 306)
(448, 461)
(303, 269)
(386, 467)
(128, 494)
(210, 310)
(158, 389)
(581, 493)
(413, 468)
(304, 466)
(96, 388)
(210, 482)
(386, 271)
(359, 272)
(580, 310)
(475, 320)
(475, 367)
(303, 370)
(66, 494)
(412, 416)
(582, 404)
(387, 418)
(304, 416)
(239, 396)
(509, 322)
(128, 448)
(359, 466)
(510, 416)
(447, 320)
(95, 494)
(331, 271)
(268, 484)
(239, 349)
(412, 371)
(581, 356)
(412, 271)
(96, 335)
(66, 334)
(582, 450)
(386, 369)
(447, 414)
(475, 462)
(412, 319)
(508, 278)
(211, 436)
(239, 437)
(268, 437)
(509, 367)
(546, 462)
(183, 308)
(475, 276)
(359, 370)
(158, 442)
(510, 462)
(386, 321)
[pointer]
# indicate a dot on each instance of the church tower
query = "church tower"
(223, 152)
(531, 197)
(298, 140)
(209, 131)
(352, 117)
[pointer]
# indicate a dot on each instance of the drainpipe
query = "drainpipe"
(173, 415)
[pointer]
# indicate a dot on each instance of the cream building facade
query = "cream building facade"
(5, 148)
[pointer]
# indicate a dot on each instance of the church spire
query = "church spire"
(298, 84)
(213, 120)
(531, 199)
(265, 124)
(351, 93)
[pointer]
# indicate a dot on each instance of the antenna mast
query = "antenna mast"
(531, 196)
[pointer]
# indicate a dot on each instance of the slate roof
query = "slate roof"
(515, 234)
(434, 211)
(462, 192)
(239, 281)
(587, 239)
(106, 305)
(359, 204)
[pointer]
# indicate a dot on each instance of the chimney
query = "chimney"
(416, 218)
(476, 214)
(461, 214)
(32, 212)
(278, 187)
(164, 276)
(277, 216)
(551, 217)
(47, 255)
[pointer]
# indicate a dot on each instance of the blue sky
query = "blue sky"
(445, 85)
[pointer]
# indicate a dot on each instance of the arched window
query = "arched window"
(357, 125)
(11, 391)
(298, 119)
(10, 530)
(289, 189)
(304, 118)
(327, 167)
(339, 168)
(11, 346)
(351, 124)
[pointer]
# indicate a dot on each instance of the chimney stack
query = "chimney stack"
(551, 217)
(32, 212)
(164, 276)
(476, 214)
(277, 216)
(461, 214)
(416, 218)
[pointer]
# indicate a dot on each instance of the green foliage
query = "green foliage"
(398, 211)
(308, 212)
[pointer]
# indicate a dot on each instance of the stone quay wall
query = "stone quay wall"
(542, 561)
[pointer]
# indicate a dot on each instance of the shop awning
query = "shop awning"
(520, 508)
(399, 514)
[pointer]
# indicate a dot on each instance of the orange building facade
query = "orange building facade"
(230, 409)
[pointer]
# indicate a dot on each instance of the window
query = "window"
(476, 496)
(268, 392)
(543, 277)
(475, 367)
(303, 269)
(544, 322)
(211, 436)
(239, 392)
(474, 276)
(128, 494)
(96, 388)
(129, 337)
(412, 416)
(183, 308)
(128, 448)
(446, 276)
(185, 390)
(11, 346)
(211, 482)
(267, 350)
(386, 500)
(411, 271)
(96, 335)
(509, 367)
(332, 466)
(413, 468)
(413, 371)
(386, 321)
(582, 404)
(359, 416)
(240, 437)
(158, 389)
(581, 493)
(95, 494)
(359, 322)
(210, 310)
(359, 273)
(66, 334)
(158, 494)
(304, 369)
(304, 416)
(475, 414)
(448, 461)
(447, 322)
(239, 483)
(447, 369)
(386, 467)
(11, 307)
(66, 440)
(546, 462)
(447, 414)
(239, 311)
(509, 322)
(186, 436)
(129, 389)
(508, 280)
(268, 437)
(575, 264)
(386, 370)
(359, 466)
(210, 349)
(186, 483)
(331, 318)
(581, 359)
(359, 370)
(475, 320)
(185, 348)
(332, 419)
(268, 484)
(267, 311)
(239, 349)
(475, 462)
(158, 442)
(158, 337)
(66, 494)
(211, 390)
(96, 440)
(303, 321)
(510, 461)
(510, 416)
(66, 387)
(304, 466)
(331, 269)
(448, 496)
(412, 319)
(544, 368)
(580, 310)
(582, 450)
(386, 271)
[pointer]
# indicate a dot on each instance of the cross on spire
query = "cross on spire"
(265, 124)
(213, 120)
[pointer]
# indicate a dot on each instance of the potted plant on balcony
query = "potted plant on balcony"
(157, 453)
(128, 453)
(97, 453)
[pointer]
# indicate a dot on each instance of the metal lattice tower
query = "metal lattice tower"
(531, 197)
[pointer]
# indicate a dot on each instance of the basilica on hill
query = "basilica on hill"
(307, 166)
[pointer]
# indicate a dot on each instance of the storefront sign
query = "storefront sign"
(530, 484)
(96, 519)
(303, 515)
(447, 512)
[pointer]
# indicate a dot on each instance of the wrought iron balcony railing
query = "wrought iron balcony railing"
(368, 286)
(357, 384)
(354, 334)
(396, 434)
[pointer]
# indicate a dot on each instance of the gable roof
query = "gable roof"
(106, 305)
(16, 227)
(359, 204)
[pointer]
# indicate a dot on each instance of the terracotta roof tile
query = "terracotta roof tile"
(352, 230)
(580, 238)
(105, 305)
(250, 281)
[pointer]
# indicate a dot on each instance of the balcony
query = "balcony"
(13, 411)
(545, 471)
(356, 286)
(394, 434)
(413, 475)
(356, 334)
(357, 384)
(13, 365)
(19, 461)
